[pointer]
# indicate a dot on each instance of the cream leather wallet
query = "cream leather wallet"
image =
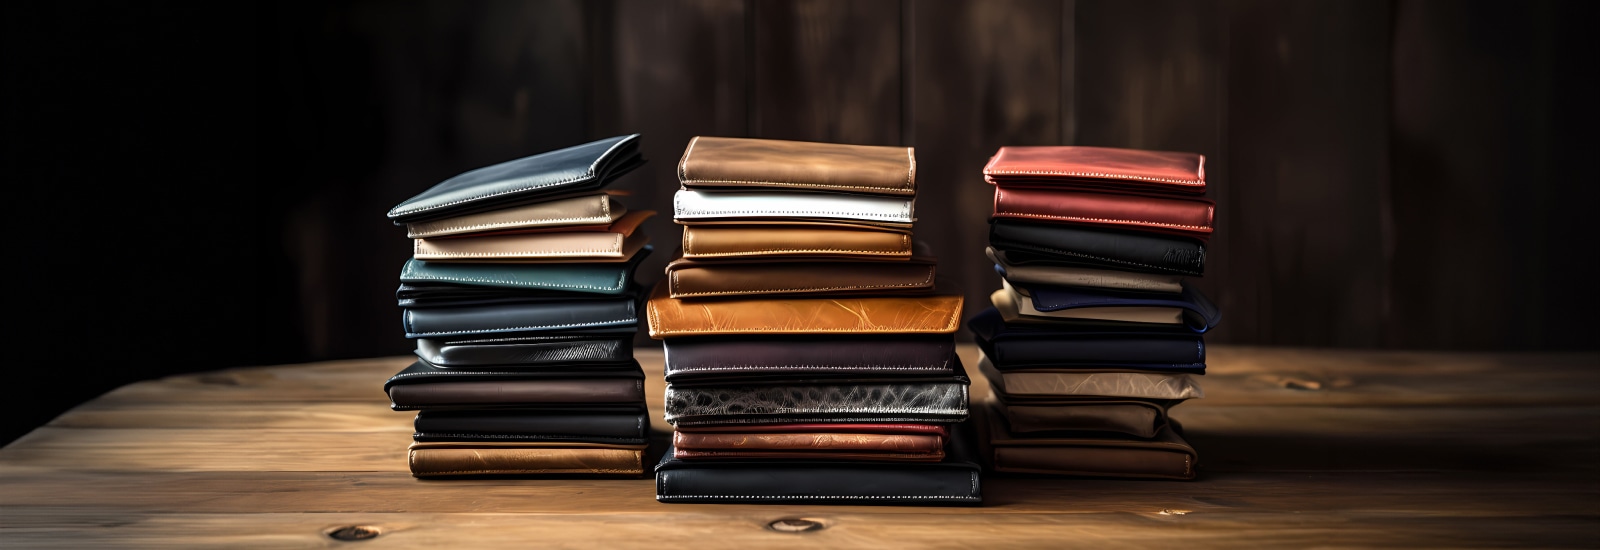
(596, 209)
(618, 243)
(1016, 308)
(1083, 276)
(1140, 385)
(688, 204)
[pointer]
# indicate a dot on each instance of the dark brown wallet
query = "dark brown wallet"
(1166, 456)
(755, 277)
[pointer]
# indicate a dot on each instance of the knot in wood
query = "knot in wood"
(795, 525)
(353, 532)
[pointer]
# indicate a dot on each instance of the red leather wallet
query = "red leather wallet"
(1102, 168)
(1183, 216)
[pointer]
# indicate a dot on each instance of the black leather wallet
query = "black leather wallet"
(1049, 244)
(424, 386)
(551, 315)
(954, 480)
(620, 428)
(922, 399)
(525, 351)
(581, 168)
(433, 284)
(717, 359)
(1089, 346)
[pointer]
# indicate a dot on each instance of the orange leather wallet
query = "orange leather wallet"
(928, 314)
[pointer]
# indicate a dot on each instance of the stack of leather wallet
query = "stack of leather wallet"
(520, 295)
(808, 356)
(1095, 335)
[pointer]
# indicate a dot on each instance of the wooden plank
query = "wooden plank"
(826, 70)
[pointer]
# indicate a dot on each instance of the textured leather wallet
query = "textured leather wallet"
(941, 430)
(1025, 243)
(1046, 382)
(586, 210)
(1166, 456)
(1082, 276)
(799, 240)
(1008, 299)
(1183, 216)
(619, 243)
(624, 428)
(953, 480)
(757, 276)
(529, 351)
(430, 459)
(1192, 307)
(1136, 417)
(575, 170)
(551, 315)
(919, 401)
(601, 278)
(821, 445)
(1090, 347)
(689, 205)
(424, 386)
(721, 162)
(718, 359)
(1097, 168)
(932, 314)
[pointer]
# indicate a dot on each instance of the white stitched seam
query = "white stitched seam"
(1094, 174)
(621, 281)
(863, 497)
(510, 329)
(925, 280)
(588, 174)
(1103, 220)
(685, 213)
(688, 244)
(521, 223)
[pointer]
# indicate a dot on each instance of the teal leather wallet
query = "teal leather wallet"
(609, 279)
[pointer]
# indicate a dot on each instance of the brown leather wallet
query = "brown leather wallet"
(598, 208)
(684, 454)
(1135, 417)
(517, 392)
(931, 314)
(755, 276)
(1183, 216)
(1097, 168)
(466, 459)
(721, 162)
(809, 442)
(617, 243)
(799, 240)
(1166, 456)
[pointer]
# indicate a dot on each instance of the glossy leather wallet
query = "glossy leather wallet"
(1089, 347)
(624, 428)
(932, 314)
(1196, 311)
(618, 243)
(689, 206)
(1048, 383)
(440, 459)
(1027, 243)
(913, 401)
(819, 445)
(721, 162)
(550, 315)
(1166, 456)
(1082, 276)
(1136, 417)
(718, 359)
(798, 240)
(954, 480)
(580, 169)
(526, 351)
(597, 278)
(1097, 168)
(1183, 216)
(423, 386)
(756, 277)
(597, 208)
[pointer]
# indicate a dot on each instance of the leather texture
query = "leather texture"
(723, 359)
(757, 277)
(932, 314)
(423, 372)
(1016, 308)
(941, 430)
(1083, 276)
(689, 205)
(573, 170)
(721, 162)
(1182, 216)
(445, 459)
(531, 351)
(822, 445)
(1166, 456)
(1026, 243)
(550, 315)
(800, 240)
(602, 278)
(1134, 417)
(619, 243)
(1024, 383)
(1198, 313)
(841, 402)
(586, 210)
(1098, 347)
(1097, 168)
(954, 480)
(424, 386)
(490, 425)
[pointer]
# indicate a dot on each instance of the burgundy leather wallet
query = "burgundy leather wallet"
(1183, 216)
(1097, 168)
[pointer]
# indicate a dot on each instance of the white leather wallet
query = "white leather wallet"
(617, 243)
(1083, 276)
(1138, 385)
(596, 209)
(688, 204)
(1016, 308)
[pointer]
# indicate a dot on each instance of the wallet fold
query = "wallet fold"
(756, 277)
(799, 240)
(1183, 216)
(931, 314)
(574, 170)
(1021, 384)
(1024, 243)
(552, 315)
(619, 243)
(1082, 276)
(585, 210)
(689, 206)
(721, 162)
(1103, 168)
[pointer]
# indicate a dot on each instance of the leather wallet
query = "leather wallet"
(532, 351)
(424, 386)
(1046, 382)
(1097, 168)
(622, 428)
(954, 480)
(721, 162)
(1082, 276)
(599, 278)
(931, 314)
(619, 243)
(580, 169)
(689, 205)
(720, 359)
(799, 240)
(757, 276)
(1191, 307)
(842, 401)
(941, 430)
(1088, 347)
(820, 445)
(1008, 299)
(585, 210)
(1136, 417)
(1165, 456)
(429, 459)
(1183, 216)
(550, 315)
(1026, 243)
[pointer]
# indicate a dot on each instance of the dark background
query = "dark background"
(203, 185)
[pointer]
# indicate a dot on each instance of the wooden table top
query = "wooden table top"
(1298, 448)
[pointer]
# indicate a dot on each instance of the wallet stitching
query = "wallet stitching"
(1096, 175)
(925, 281)
(521, 223)
(582, 439)
(680, 211)
(688, 245)
(801, 497)
(809, 366)
(416, 251)
(621, 281)
(510, 329)
(586, 175)
(1103, 220)
(655, 321)
(683, 174)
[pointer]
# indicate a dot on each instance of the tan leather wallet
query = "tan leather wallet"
(754, 276)
(617, 243)
(929, 314)
(800, 240)
(594, 209)
(1165, 456)
(721, 162)
(488, 458)
(800, 442)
